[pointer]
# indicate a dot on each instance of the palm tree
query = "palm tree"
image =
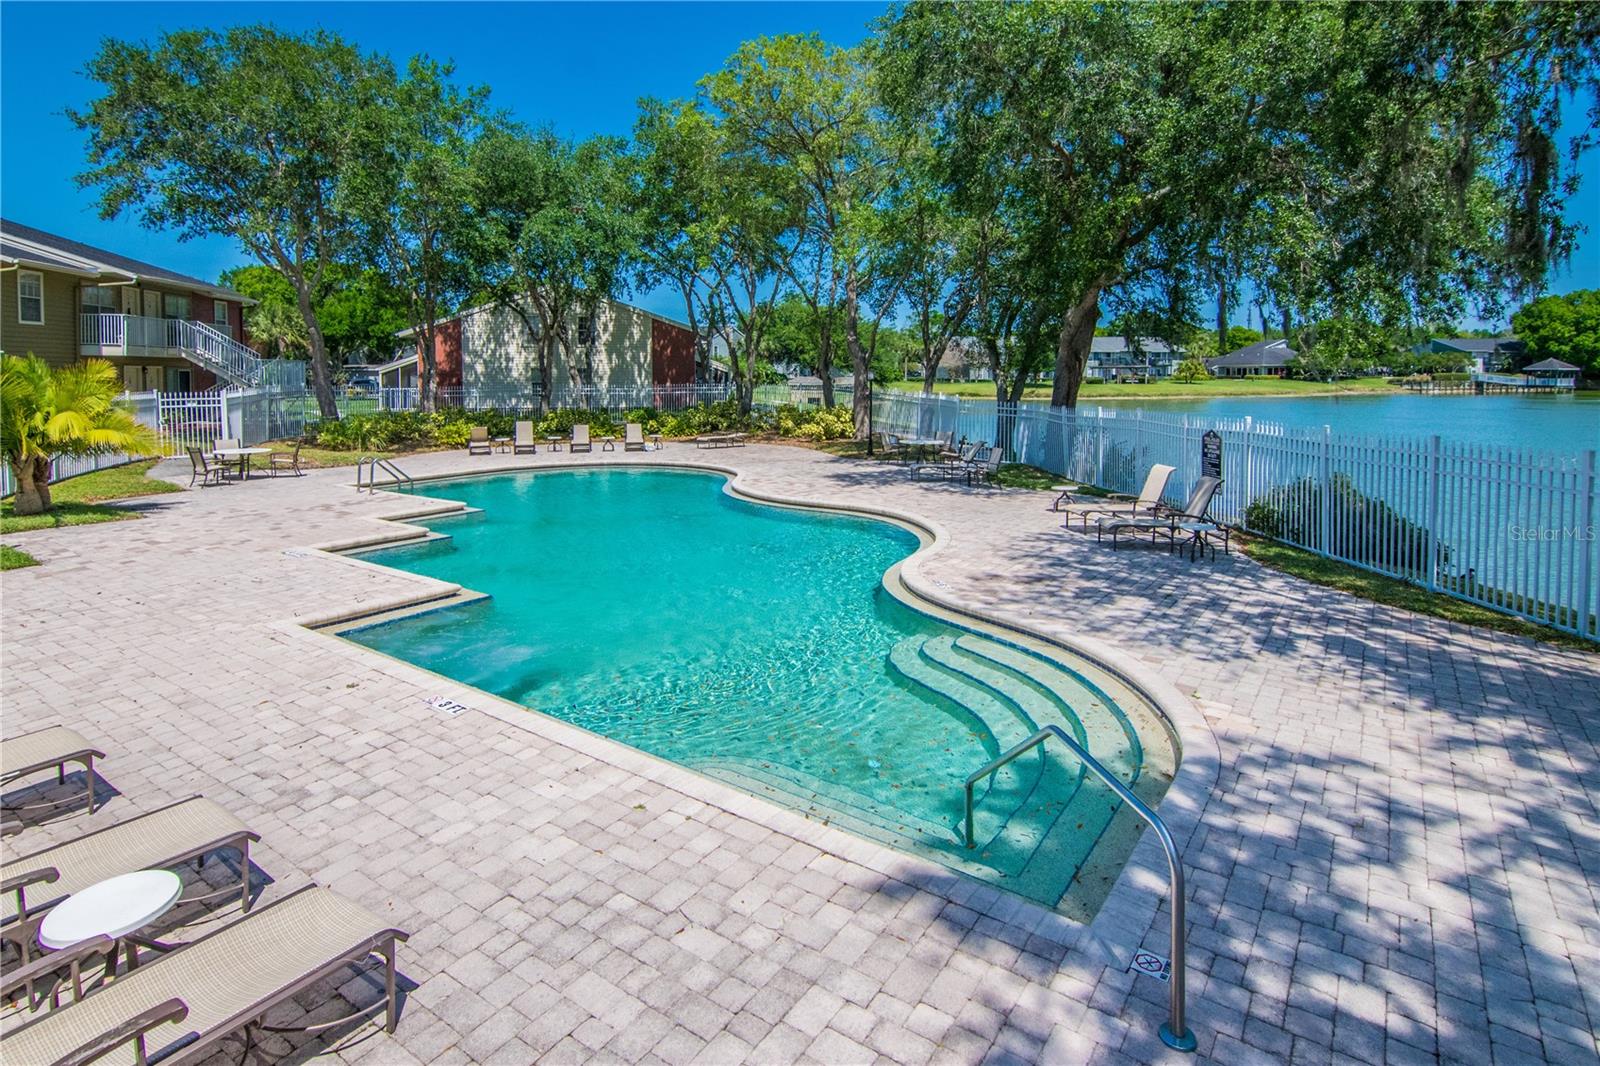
(70, 410)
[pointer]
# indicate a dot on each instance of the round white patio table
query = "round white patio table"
(114, 907)
(923, 445)
(241, 453)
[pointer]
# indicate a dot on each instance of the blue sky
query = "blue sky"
(579, 67)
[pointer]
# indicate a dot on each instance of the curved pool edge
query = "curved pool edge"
(1134, 900)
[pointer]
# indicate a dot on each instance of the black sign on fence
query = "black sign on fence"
(1211, 454)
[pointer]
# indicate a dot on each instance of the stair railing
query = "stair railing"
(1174, 1032)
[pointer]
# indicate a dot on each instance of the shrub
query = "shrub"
(1364, 529)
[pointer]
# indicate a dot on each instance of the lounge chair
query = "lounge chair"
(986, 469)
(946, 468)
(289, 461)
(170, 836)
(1190, 520)
(1121, 505)
(205, 470)
(478, 442)
(184, 1003)
(523, 440)
(633, 437)
(580, 438)
(49, 749)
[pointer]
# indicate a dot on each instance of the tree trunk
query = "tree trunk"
(825, 356)
(425, 369)
(1222, 312)
(33, 486)
(1072, 349)
(321, 381)
(860, 400)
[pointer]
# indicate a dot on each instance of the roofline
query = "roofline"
(94, 268)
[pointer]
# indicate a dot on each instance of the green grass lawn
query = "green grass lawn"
(13, 559)
(316, 458)
(1168, 390)
(78, 501)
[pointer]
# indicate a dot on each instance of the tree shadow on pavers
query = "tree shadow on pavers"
(51, 800)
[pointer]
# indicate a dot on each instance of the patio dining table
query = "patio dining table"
(923, 445)
(242, 454)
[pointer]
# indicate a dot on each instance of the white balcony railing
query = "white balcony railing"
(196, 341)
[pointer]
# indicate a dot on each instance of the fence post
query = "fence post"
(1588, 599)
(1325, 512)
(1433, 513)
(222, 414)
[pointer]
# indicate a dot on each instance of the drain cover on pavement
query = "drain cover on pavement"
(1151, 965)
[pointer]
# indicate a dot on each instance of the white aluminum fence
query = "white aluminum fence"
(66, 467)
(1511, 529)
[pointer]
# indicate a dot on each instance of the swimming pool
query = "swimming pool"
(759, 645)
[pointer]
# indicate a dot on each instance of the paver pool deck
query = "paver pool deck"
(1393, 857)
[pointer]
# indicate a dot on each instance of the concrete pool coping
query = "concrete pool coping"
(1134, 899)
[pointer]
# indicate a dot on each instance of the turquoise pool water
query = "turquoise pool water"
(757, 645)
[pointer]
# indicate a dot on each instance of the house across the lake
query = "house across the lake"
(1483, 355)
(64, 300)
(1139, 359)
(1552, 370)
(1264, 358)
(494, 347)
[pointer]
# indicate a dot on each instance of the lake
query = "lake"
(1565, 424)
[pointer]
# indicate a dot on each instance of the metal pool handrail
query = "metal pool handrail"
(1174, 1033)
(371, 464)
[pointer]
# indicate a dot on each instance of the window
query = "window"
(174, 305)
(220, 314)
(99, 300)
(30, 297)
(585, 329)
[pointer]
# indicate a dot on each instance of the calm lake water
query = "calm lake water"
(1565, 424)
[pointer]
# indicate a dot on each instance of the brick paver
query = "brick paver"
(1397, 862)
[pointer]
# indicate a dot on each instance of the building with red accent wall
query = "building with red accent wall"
(494, 347)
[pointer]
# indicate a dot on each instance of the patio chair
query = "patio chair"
(478, 442)
(580, 438)
(207, 472)
(1121, 505)
(184, 1003)
(48, 749)
(986, 469)
(633, 437)
(234, 463)
(1191, 519)
(289, 461)
(522, 441)
(170, 836)
(945, 468)
(891, 448)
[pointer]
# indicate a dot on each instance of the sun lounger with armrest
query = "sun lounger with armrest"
(48, 749)
(170, 836)
(523, 440)
(1190, 520)
(1120, 505)
(633, 437)
(181, 1005)
(580, 438)
(478, 442)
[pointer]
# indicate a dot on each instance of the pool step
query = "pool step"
(825, 800)
(1087, 808)
(998, 727)
(1103, 729)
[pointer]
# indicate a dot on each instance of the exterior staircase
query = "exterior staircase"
(234, 364)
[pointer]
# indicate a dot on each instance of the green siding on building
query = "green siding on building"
(56, 341)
